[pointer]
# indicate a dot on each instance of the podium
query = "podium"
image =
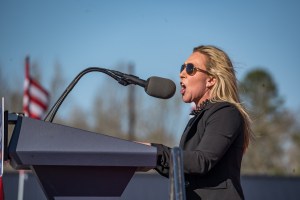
(71, 163)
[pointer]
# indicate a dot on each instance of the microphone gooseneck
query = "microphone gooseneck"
(51, 114)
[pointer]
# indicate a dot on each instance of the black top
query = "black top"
(212, 145)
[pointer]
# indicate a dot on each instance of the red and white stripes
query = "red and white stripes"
(36, 98)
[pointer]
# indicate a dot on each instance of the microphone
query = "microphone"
(154, 86)
(160, 87)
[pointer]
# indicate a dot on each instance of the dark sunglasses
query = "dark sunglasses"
(191, 69)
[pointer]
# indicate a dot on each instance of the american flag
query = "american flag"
(36, 98)
(35, 104)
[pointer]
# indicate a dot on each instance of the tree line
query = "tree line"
(274, 150)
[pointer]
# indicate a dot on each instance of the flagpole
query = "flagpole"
(21, 172)
(21, 184)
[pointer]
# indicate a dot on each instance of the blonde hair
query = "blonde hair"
(219, 65)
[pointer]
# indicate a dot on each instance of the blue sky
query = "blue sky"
(157, 36)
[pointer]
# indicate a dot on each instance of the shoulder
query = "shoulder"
(221, 108)
(220, 104)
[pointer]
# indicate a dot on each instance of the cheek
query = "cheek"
(197, 87)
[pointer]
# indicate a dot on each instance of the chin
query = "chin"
(186, 100)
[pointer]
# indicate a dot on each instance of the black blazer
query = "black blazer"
(212, 146)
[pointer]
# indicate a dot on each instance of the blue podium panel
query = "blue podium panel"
(83, 181)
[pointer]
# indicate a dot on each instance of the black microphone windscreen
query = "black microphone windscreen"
(160, 87)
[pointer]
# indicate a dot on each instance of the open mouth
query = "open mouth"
(183, 87)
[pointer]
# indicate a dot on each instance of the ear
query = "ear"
(210, 81)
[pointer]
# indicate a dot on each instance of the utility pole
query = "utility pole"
(131, 107)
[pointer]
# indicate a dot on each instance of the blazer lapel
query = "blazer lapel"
(188, 128)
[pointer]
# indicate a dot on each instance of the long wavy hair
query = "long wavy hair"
(219, 65)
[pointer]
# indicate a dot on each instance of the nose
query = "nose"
(182, 74)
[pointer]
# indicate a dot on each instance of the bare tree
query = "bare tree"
(57, 82)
